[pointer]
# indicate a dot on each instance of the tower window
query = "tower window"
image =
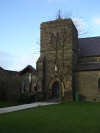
(99, 83)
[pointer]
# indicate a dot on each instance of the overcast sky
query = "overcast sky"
(20, 26)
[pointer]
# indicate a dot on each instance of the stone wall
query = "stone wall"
(9, 85)
(89, 59)
(59, 46)
(26, 85)
(86, 84)
(12, 84)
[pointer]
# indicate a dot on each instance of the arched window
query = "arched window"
(99, 83)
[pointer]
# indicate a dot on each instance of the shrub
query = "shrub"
(39, 96)
(27, 97)
(31, 97)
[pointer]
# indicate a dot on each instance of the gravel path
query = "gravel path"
(24, 106)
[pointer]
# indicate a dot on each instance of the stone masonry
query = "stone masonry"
(68, 67)
(58, 57)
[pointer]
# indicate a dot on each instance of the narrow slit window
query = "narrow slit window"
(99, 83)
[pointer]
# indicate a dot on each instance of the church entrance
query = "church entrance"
(55, 89)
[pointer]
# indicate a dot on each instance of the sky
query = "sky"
(20, 26)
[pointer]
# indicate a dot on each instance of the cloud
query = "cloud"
(79, 23)
(17, 63)
(23, 61)
(96, 20)
(81, 26)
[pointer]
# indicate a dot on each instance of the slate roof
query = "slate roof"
(1, 68)
(8, 71)
(29, 69)
(89, 46)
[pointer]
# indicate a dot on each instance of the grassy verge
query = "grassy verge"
(62, 118)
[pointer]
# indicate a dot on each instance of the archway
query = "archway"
(55, 89)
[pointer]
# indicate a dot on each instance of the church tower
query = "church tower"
(58, 59)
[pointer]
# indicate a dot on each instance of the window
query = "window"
(30, 78)
(99, 83)
(51, 38)
(22, 89)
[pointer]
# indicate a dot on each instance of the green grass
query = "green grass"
(62, 118)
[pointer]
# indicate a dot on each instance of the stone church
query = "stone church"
(68, 66)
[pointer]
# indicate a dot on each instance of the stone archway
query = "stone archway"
(55, 89)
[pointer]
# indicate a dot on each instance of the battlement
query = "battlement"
(57, 23)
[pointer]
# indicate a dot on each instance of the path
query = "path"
(24, 106)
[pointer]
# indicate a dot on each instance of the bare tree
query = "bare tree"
(79, 22)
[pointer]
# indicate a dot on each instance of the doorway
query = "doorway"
(55, 89)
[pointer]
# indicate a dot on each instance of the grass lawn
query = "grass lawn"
(62, 118)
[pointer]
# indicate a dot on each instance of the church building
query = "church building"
(68, 66)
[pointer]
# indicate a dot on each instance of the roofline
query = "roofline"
(9, 71)
(89, 37)
(87, 69)
(89, 56)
